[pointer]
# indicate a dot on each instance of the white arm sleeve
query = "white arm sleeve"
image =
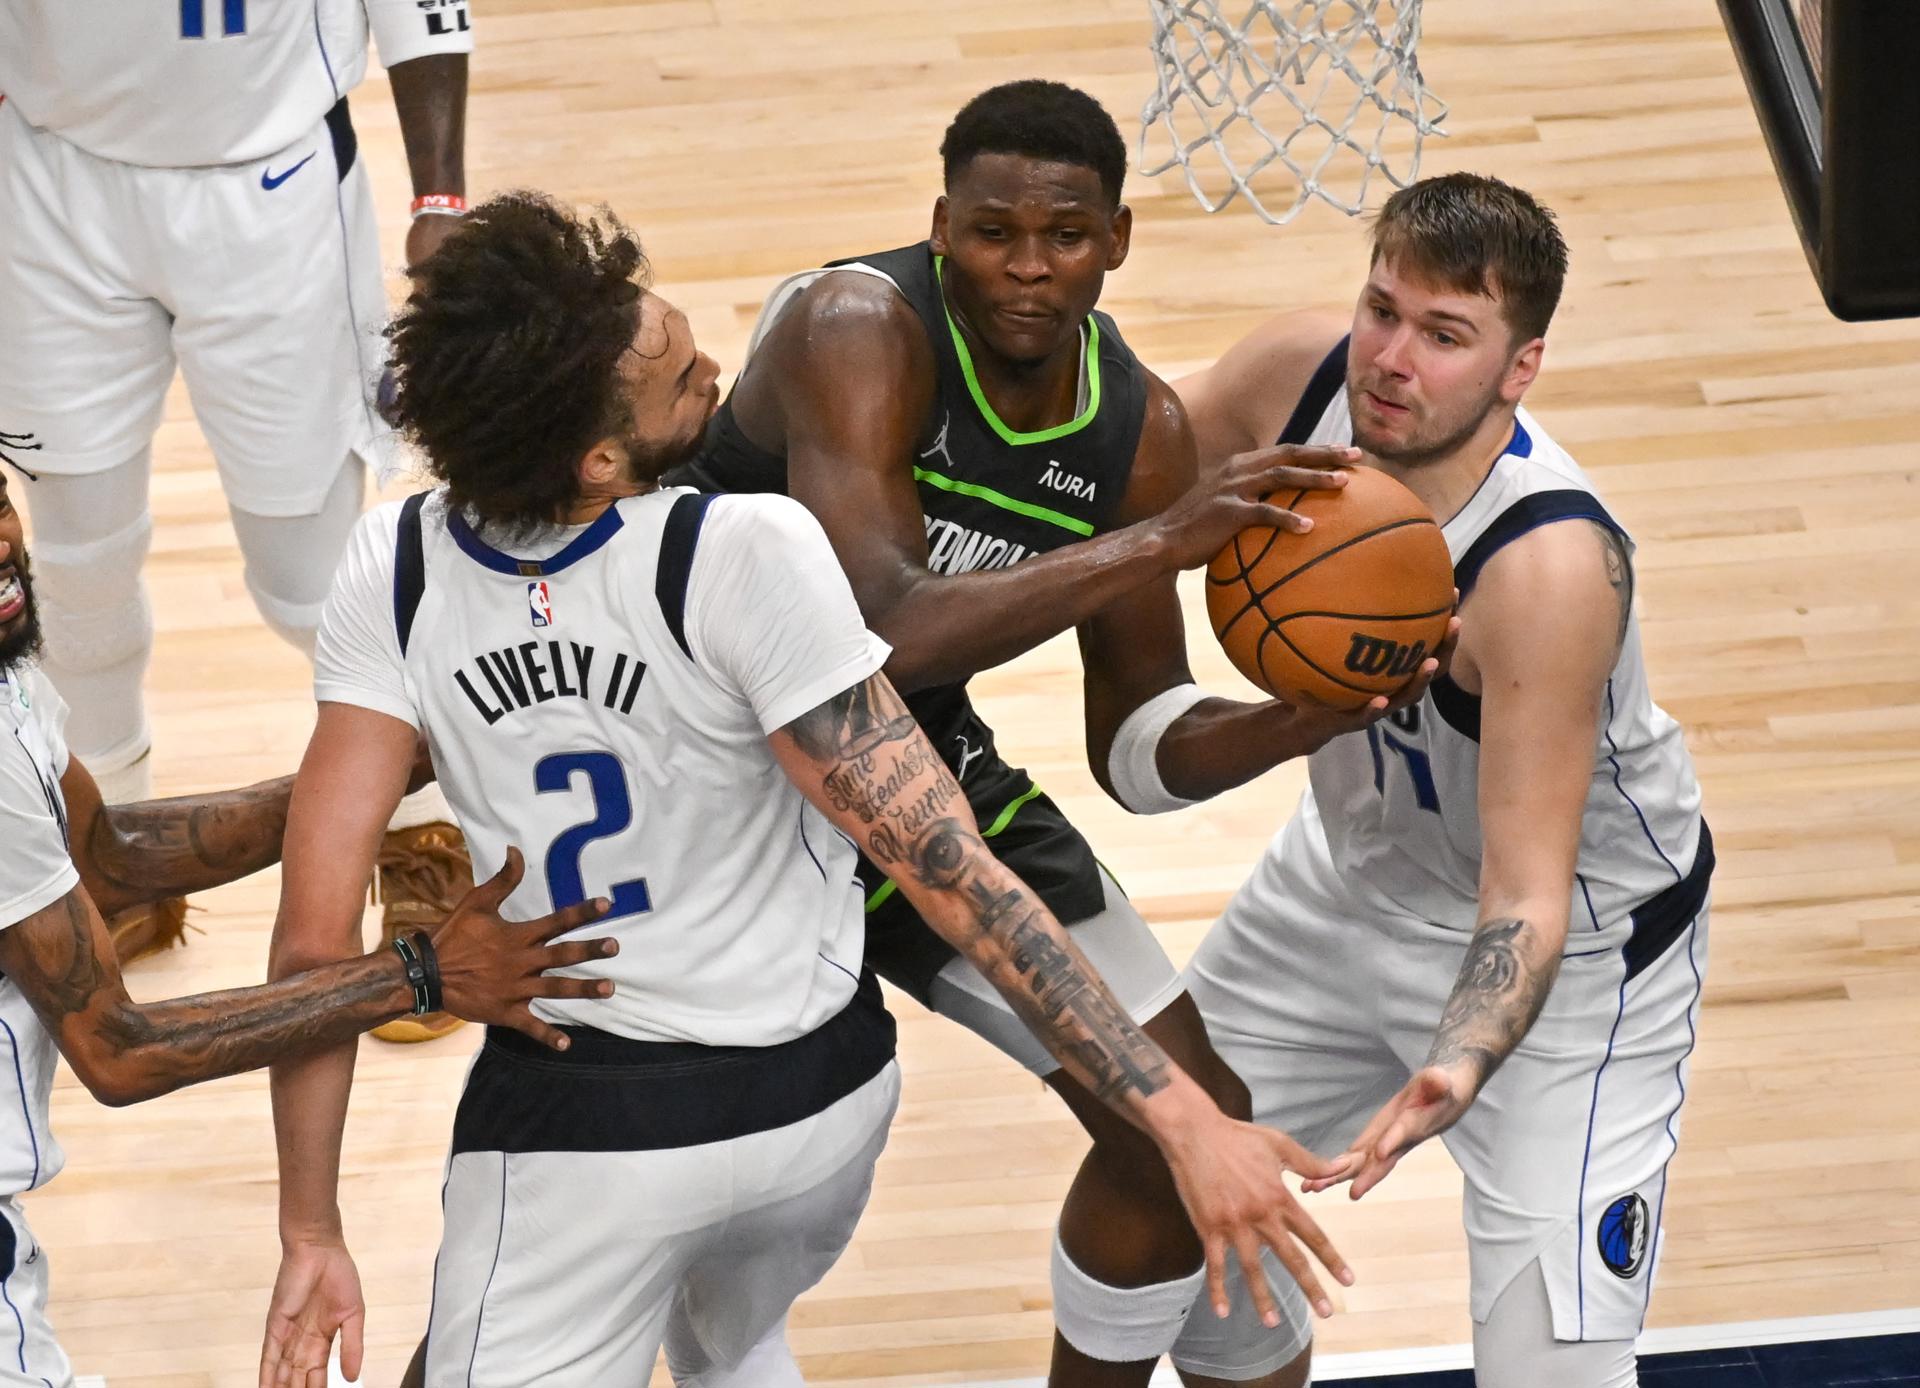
(357, 658)
(770, 614)
(408, 29)
(1133, 763)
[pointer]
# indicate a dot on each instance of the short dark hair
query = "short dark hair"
(1477, 235)
(506, 354)
(1038, 120)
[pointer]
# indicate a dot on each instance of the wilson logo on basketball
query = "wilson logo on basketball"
(1375, 656)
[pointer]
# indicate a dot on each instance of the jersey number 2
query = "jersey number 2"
(193, 18)
(613, 812)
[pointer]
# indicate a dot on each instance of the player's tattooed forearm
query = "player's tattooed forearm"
(1613, 548)
(854, 723)
(159, 1047)
(160, 848)
(1496, 998)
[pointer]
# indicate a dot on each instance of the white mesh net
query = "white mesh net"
(1300, 99)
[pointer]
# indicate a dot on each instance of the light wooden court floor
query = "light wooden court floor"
(1765, 456)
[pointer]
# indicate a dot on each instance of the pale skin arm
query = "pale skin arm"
(1545, 628)
(864, 762)
(354, 773)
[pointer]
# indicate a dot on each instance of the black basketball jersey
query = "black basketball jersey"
(990, 497)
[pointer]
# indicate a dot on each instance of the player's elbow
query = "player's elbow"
(113, 1078)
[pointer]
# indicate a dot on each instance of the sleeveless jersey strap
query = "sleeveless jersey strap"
(1328, 378)
(409, 568)
(1526, 514)
(1460, 709)
(677, 542)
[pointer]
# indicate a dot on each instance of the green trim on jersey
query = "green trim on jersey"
(1001, 821)
(1059, 431)
(1002, 500)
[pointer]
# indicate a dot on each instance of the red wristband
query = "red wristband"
(440, 205)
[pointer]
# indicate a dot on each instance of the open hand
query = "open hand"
(1430, 1103)
(315, 1297)
(491, 968)
(1229, 1175)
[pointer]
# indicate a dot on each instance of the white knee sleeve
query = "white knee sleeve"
(1240, 1348)
(290, 559)
(1118, 1325)
(90, 535)
(1515, 1347)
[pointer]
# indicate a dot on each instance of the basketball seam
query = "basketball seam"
(1372, 616)
(1347, 543)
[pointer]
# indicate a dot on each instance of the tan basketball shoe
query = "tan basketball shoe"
(148, 928)
(419, 877)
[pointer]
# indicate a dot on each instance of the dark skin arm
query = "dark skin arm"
(62, 960)
(1135, 648)
(842, 385)
(430, 95)
(154, 849)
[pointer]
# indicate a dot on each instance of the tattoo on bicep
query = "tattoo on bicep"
(854, 722)
(1619, 561)
(1496, 998)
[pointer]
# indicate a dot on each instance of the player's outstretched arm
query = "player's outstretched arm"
(854, 378)
(863, 760)
(153, 849)
(62, 960)
(1547, 620)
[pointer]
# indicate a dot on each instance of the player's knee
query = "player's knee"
(1515, 1346)
(92, 603)
(290, 560)
(1240, 1348)
(1119, 1325)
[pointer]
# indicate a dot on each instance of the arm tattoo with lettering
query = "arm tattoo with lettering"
(128, 1051)
(1496, 998)
(877, 766)
(1619, 562)
(162, 848)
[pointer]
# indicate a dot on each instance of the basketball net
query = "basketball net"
(1301, 99)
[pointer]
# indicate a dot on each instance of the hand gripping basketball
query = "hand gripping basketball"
(1238, 494)
(1345, 614)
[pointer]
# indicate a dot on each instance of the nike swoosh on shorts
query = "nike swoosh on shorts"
(269, 182)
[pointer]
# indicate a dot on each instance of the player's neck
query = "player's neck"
(595, 500)
(1027, 396)
(1447, 481)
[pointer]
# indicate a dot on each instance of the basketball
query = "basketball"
(1344, 612)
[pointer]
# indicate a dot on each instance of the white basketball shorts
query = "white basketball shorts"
(1325, 1007)
(633, 1194)
(261, 280)
(30, 1356)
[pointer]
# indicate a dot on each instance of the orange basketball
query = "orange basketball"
(1344, 612)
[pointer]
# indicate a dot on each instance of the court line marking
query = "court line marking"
(1665, 1340)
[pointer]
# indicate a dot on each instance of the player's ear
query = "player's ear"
(602, 466)
(1521, 369)
(1122, 236)
(938, 236)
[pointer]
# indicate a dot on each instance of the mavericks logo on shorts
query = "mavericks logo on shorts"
(1623, 1236)
(540, 603)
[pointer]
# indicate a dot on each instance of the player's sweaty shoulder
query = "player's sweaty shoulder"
(845, 336)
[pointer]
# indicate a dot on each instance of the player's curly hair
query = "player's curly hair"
(1477, 235)
(1038, 120)
(506, 354)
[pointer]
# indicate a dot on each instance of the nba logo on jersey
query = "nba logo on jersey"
(540, 603)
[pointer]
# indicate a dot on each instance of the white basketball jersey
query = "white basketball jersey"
(1397, 808)
(190, 83)
(604, 707)
(35, 871)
